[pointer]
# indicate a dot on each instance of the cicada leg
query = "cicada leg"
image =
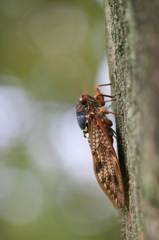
(106, 112)
(99, 97)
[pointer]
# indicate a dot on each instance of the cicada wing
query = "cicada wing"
(106, 165)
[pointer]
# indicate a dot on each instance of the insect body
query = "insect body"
(97, 129)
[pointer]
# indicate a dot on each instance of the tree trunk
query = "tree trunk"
(132, 40)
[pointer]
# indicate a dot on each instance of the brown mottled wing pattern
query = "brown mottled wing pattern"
(106, 166)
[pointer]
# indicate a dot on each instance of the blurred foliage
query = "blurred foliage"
(53, 47)
(51, 51)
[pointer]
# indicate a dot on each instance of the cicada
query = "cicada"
(96, 127)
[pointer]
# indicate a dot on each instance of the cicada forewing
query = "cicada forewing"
(106, 165)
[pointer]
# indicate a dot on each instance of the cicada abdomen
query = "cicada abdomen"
(97, 129)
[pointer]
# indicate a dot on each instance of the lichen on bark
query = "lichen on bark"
(132, 50)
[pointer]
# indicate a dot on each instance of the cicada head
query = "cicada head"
(85, 104)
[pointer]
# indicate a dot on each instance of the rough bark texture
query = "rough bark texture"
(132, 40)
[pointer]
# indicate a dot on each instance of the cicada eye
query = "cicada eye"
(83, 98)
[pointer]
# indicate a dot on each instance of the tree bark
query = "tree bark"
(132, 41)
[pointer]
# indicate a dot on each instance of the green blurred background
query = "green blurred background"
(51, 52)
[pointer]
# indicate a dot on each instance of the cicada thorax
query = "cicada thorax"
(85, 111)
